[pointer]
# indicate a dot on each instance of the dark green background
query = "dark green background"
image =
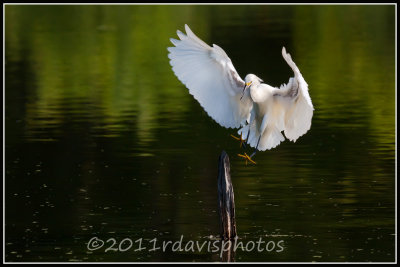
(101, 139)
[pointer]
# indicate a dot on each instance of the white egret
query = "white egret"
(261, 111)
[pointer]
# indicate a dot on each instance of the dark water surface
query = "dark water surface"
(102, 140)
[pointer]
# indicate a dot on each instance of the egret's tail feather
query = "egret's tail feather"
(270, 138)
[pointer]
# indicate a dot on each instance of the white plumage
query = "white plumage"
(262, 112)
(209, 75)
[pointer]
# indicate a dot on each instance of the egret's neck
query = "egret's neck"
(260, 92)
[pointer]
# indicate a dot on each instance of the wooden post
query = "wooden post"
(226, 198)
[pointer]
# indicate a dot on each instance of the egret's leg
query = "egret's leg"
(246, 157)
(256, 147)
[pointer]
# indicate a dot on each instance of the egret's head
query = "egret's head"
(249, 80)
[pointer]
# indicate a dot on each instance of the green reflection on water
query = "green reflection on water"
(102, 139)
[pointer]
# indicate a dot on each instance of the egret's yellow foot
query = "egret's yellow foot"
(240, 139)
(247, 158)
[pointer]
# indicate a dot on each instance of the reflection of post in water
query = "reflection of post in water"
(226, 207)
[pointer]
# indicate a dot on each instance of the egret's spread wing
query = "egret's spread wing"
(296, 102)
(209, 75)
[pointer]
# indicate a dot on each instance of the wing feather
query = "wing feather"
(296, 101)
(211, 78)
